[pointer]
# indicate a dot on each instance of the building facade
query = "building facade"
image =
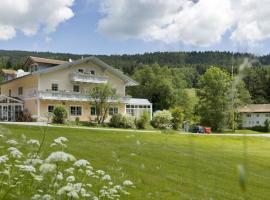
(47, 83)
(254, 115)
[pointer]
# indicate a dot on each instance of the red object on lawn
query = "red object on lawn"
(207, 130)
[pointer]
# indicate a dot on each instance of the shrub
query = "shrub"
(177, 117)
(128, 121)
(116, 120)
(144, 120)
(24, 116)
(267, 126)
(162, 119)
(60, 114)
(29, 173)
(77, 121)
(122, 121)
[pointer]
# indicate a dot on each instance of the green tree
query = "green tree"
(59, 114)
(102, 96)
(161, 85)
(213, 93)
(177, 117)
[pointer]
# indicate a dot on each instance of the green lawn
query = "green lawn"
(169, 166)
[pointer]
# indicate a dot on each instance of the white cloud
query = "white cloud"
(29, 16)
(200, 22)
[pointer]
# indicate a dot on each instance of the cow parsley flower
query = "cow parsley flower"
(47, 167)
(59, 176)
(70, 179)
(33, 142)
(100, 172)
(26, 168)
(81, 163)
(15, 152)
(60, 141)
(128, 183)
(60, 156)
(47, 197)
(3, 159)
(69, 191)
(107, 177)
(12, 142)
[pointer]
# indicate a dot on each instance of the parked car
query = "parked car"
(199, 129)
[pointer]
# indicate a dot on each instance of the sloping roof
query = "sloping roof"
(8, 71)
(44, 60)
(136, 101)
(116, 72)
(255, 108)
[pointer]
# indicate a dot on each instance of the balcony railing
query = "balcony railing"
(69, 96)
(88, 78)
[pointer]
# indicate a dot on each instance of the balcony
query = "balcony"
(87, 78)
(69, 96)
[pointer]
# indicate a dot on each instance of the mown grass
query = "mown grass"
(170, 166)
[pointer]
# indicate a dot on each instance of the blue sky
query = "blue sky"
(92, 31)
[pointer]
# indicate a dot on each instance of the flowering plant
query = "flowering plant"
(26, 174)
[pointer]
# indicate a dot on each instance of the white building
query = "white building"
(254, 114)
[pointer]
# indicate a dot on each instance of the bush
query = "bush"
(162, 119)
(60, 114)
(178, 117)
(143, 121)
(116, 120)
(128, 121)
(30, 173)
(24, 116)
(77, 121)
(122, 121)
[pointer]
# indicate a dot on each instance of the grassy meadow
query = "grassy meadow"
(167, 165)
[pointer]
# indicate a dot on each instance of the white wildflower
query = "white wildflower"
(47, 197)
(38, 178)
(81, 163)
(100, 172)
(3, 158)
(60, 141)
(47, 167)
(34, 161)
(12, 142)
(70, 179)
(69, 170)
(15, 152)
(36, 197)
(59, 176)
(60, 156)
(128, 183)
(33, 142)
(69, 191)
(106, 177)
(26, 168)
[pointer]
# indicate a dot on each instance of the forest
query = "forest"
(168, 74)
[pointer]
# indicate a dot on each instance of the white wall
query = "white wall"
(254, 119)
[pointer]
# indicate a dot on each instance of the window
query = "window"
(80, 70)
(76, 88)
(54, 87)
(92, 72)
(9, 93)
(258, 122)
(20, 90)
(75, 110)
(113, 111)
(258, 115)
(94, 111)
(248, 115)
(267, 115)
(50, 109)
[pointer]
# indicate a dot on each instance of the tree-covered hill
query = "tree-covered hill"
(128, 63)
